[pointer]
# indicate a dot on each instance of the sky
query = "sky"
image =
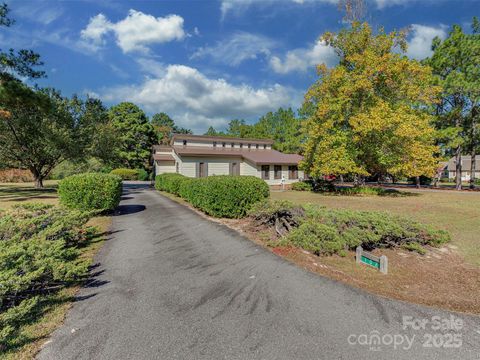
(205, 62)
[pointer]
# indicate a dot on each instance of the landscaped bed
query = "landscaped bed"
(45, 254)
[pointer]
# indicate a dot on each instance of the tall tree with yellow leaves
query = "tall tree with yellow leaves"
(369, 112)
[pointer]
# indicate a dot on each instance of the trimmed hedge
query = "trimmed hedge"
(126, 174)
(90, 191)
(220, 196)
(169, 182)
(302, 186)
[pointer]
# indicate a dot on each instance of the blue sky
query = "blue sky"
(204, 62)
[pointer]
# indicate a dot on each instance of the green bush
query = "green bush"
(220, 196)
(68, 168)
(318, 238)
(328, 231)
(126, 174)
(170, 182)
(142, 175)
(39, 254)
(90, 191)
(302, 186)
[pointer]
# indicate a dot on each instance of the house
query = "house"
(466, 164)
(199, 156)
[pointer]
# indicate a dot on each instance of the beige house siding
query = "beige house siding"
(160, 169)
(248, 169)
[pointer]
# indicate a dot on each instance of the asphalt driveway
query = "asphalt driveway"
(173, 285)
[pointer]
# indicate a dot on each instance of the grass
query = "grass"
(457, 212)
(53, 309)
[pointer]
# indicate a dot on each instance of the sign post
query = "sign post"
(364, 257)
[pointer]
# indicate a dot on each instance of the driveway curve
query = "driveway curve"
(174, 285)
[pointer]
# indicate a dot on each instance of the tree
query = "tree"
(283, 127)
(136, 135)
(456, 64)
(21, 62)
(37, 129)
(165, 128)
(367, 115)
(211, 131)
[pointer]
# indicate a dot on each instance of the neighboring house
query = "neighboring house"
(466, 164)
(199, 156)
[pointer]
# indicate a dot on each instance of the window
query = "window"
(214, 144)
(184, 142)
(256, 146)
(249, 146)
(202, 170)
(177, 168)
(234, 168)
(224, 144)
(264, 146)
(277, 172)
(233, 145)
(241, 146)
(265, 172)
(293, 172)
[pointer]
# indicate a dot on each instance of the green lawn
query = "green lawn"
(457, 212)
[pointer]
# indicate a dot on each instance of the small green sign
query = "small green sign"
(370, 262)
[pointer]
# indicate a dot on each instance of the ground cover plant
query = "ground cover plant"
(40, 248)
(91, 191)
(220, 196)
(325, 231)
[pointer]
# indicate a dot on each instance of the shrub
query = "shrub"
(321, 185)
(302, 186)
(220, 196)
(69, 168)
(318, 238)
(91, 191)
(142, 175)
(38, 255)
(227, 196)
(126, 174)
(283, 215)
(170, 182)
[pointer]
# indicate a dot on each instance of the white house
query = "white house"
(466, 167)
(199, 156)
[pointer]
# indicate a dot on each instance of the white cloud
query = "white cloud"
(135, 32)
(40, 11)
(302, 59)
(237, 48)
(197, 101)
(238, 6)
(419, 45)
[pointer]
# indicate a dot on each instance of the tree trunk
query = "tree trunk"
(359, 180)
(341, 179)
(458, 168)
(417, 182)
(473, 168)
(38, 183)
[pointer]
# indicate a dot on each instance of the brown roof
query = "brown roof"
(162, 147)
(163, 157)
(466, 163)
(255, 156)
(220, 139)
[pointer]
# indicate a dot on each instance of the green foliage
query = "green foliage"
(318, 238)
(125, 174)
(91, 191)
(170, 182)
(39, 254)
(333, 231)
(69, 167)
(302, 186)
(142, 175)
(282, 126)
(321, 186)
(455, 64)
(220, 196)
(368, 115)
(136, 135)
(165, 127)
